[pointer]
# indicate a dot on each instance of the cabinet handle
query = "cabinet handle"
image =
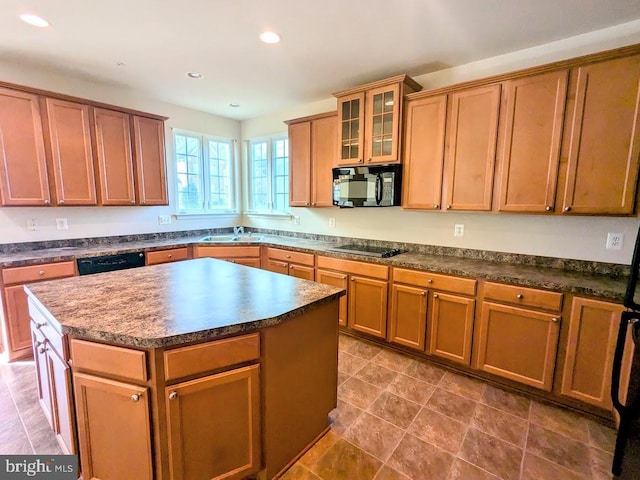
(435, 295)
(423, 293)
(141, 254)
(548, 208)
(448, 207)
(173, 395)
(40, 325)
(41, 272)
(135, 397)
(555, 319)
(567, 209)
(42, 349)
(290, 267)
(519, 296)
(169, 256)
(435, 205)
(288, 256)
(47, 201)
(39, 342)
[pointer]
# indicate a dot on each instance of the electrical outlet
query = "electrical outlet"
(332, 222)
(164, 219)
(61, 224)
(614, 241)
(458, 230)
(31, 225)
(296, 220)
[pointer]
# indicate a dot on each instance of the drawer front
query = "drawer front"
(109, 360)
(34, 273)
(226, 252)
(528, 297)
(354, 267)
(465, 286)
(164, 256)
(291, 257)
(204, 357)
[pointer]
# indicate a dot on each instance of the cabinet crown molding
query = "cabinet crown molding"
(410, 85)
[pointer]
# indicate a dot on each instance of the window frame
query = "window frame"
(271, 211)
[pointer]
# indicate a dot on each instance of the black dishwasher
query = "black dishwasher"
(108, 263)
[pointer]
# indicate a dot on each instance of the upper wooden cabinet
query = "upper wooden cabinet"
(530, 142)
(151, 173)
(603, 138)
(472, 130)
(312, 155)
(114, 159)
(71, 156)
(23, 169)
(370, 121)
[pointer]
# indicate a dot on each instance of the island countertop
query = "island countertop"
(175, 303)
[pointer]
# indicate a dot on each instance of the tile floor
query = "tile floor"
(397, 418)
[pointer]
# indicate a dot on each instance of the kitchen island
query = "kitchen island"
(189, 370)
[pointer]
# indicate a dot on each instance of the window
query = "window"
(269, 175)
(204, 167)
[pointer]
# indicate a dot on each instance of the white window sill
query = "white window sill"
(274, 216)
(197, 216)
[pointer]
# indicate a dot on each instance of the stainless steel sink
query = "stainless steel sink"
(231, 238)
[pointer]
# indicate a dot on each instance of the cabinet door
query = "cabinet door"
(382, 124)
(518, 344)
(23, 165)
(301, 271)
(351, 129)
(368, 305)
(300, 164)
(214, 426)
(114, 157)
(530, 150)
(323, 154)
(593, 329)
(424, 152)
(17, 322)
(408, 316)
(149, 154)
(339, 280)
(114, 433)
(64, 421)
(451, 327)
(71, 153)
(472, 132)
(45, 397)
(277, 266)
(604, 142)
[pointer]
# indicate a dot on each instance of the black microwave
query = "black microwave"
(371, 186)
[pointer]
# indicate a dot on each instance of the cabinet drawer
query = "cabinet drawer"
(226, 252)
(289, 256)
(354, 267)
(109, 360)
(528, 297)
(204, 357)
(164, 256)
(34, 273)
(465, 286)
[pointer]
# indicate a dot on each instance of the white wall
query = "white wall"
(566, 237)
(106, 221)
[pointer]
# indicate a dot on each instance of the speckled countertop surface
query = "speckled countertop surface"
(610, 287)
(176, 303)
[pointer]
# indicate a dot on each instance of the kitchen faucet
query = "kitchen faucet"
(238, 230)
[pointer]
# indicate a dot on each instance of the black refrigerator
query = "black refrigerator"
(626, 458)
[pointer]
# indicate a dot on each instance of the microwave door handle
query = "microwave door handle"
(378, 189)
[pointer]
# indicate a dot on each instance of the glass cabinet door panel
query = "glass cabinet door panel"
(351, 111)
(377, 104)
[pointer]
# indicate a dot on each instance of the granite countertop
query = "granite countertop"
(176, 303)
(611, 287)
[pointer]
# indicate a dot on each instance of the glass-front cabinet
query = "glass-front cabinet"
(371, 121)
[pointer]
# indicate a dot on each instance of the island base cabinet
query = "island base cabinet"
(451, 327)
(214, 426)
(114, 432)
(336, 279)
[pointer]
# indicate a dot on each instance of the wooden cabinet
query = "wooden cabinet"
(114, 158)
(214, 425)
(451, 320)
(593, 329)
(244, 255)
(339, 280)
(311, 157)
(45, 395)
(296, 264)
(472, 130)
(408, 316)
(424, 152)
(519, 342)
(530, 142)
(16, 311)
(23, 169)
(150, 162)
(603, 138)
(370, 121)
(165, 256)
(70, 152)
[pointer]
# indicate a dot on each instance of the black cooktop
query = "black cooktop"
(382, 252)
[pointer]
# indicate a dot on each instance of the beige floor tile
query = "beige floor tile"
(491, 454)
(463, 470)
(388, 473)
(452, 405)
(420, 460)
(559, 449)
(424, 371)
(601, 462)
(560, 421)
(364, 350)
(350, 364)
(439, 430)
(461, 385)
(602, 437)
(376, 375)
(346, 461)
(500, 424)
(538, 468)
(395, 409)
(320, 448)
(358, 393)
(345, 341)
(342, 377)
(506, 401)
(392, 360)
(411, 388)
(375, 436)
(343, 416)
(299, 472)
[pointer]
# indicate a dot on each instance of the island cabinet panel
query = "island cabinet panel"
(45, 393)
(472, 130)
(451, 319)
(109, 360)
(114, 157)
(603, 138)
(23, 165)
(150, 161)
(530, 146)
(114, 430)
(340, 280)
(593, 329)
(214, 426)
(408, 316)
(70, 152)
(424, 152)
(60, 378)
(166, 256)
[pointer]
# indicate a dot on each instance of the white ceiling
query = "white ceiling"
(327, 45)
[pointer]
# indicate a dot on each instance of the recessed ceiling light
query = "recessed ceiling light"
(270, 37)
(234, 105)
(194, 75)
(34, 20)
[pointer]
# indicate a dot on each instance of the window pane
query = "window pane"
(219, 174)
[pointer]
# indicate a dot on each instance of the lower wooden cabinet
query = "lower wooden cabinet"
(408, 316)
(166, 256)
(286, 262)
(368, 305)
(340, 280)
(204, 441)
(451, 327)
(243, 255)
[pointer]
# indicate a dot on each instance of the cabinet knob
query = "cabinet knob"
(40, 325)
(435, 295)
(435, 205)
(39, 342)
(519, 296)
(61, 202)
(143, 202)
(47, 201)
(429, 281)
(368, 159)
(135, 397)
(290, 267)
(141, 254)
(555, 319)
(133, 202)
(353, 279)
(448, 207)
(313, 204)
(288, 256)
(567, 209)
(423, 293)
(42, 349)
(344, 277)
(548, 208)
(307, 204)
(173, 395)
(170, 256)
(41, 272)
(359, 160)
